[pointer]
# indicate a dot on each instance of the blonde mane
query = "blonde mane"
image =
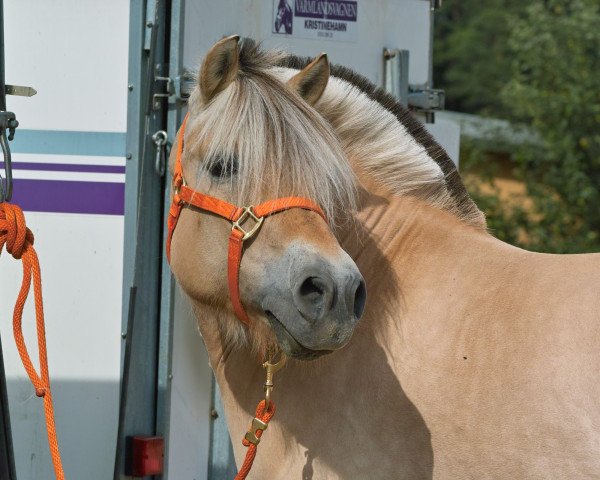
(383, 138)
(283, 147)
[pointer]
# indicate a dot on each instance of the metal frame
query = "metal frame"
(7, 459)
(143, 228)
(149, 287)
(165, 347)
(2, 79)
(221, 462)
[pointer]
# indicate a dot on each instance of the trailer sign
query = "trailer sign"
(317, 19)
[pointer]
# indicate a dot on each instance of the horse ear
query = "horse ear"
(311, 81)
(220, 66)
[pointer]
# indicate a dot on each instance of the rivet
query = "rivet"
(130, 87)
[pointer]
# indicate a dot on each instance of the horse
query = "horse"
(284, 17)
(470, 358)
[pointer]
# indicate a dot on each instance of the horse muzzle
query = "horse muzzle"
(312, 302)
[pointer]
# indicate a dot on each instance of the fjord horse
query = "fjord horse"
(472, 358)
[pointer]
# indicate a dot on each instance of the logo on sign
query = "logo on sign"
(326, 19)
(284, 17)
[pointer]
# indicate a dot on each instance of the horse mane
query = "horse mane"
(279, 145)
(277, 137)
(399, 170)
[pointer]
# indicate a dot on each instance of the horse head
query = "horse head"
(251, 138)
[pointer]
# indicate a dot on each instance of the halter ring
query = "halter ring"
(247, 212)
(176, 187)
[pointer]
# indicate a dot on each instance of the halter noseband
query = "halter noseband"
(184, 195)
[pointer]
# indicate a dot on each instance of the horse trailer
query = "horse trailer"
(89, 161)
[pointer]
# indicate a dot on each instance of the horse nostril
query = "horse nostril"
(312, 287)
(314, 297)
(360, 298)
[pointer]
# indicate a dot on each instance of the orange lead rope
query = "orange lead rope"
(19, 243)
(259, 424)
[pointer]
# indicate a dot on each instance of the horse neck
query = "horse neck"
(426, 271)
(419, 263)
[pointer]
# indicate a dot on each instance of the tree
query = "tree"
(547, 79)
(471, 53)
(555, 88)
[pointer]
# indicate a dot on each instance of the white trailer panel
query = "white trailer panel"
(69, 169)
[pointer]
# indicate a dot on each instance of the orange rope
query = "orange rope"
(264, 414)
(19, 243)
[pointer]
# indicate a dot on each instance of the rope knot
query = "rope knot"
(13, 230)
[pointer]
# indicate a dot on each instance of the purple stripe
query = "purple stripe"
(62, 167)
(69, 197)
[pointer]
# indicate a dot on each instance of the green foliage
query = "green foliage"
(555, 87)
(551, 82)
(471, 53)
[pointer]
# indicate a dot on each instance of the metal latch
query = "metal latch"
(183, 85)
(427, 99)
(8, 121)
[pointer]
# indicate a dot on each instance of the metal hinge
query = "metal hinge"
(176, 89)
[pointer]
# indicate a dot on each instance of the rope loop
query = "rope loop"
(19, 243)
(13, 230)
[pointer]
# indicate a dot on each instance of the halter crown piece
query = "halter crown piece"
(184, 195)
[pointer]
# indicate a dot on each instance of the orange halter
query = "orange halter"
(184, 195)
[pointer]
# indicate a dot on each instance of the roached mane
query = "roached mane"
(385, 139)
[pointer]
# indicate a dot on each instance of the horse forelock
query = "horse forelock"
(389, 143)
(282, 145)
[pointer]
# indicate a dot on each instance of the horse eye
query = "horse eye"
(223, 167)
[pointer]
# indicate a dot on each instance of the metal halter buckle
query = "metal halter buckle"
(247, 212)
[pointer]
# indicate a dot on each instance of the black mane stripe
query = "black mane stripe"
(456, 188)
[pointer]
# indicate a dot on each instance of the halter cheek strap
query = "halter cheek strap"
(238, 216)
